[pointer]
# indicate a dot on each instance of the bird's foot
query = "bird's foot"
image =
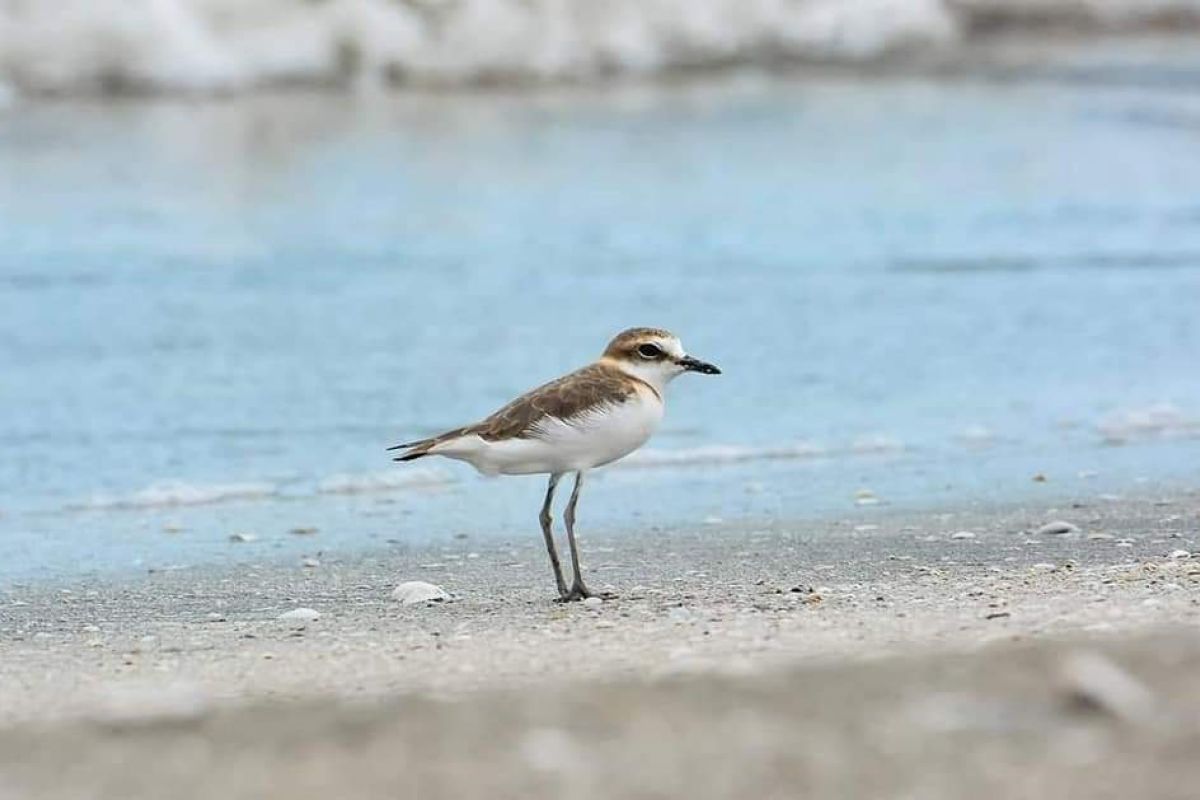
(572, 594)
(580, 592)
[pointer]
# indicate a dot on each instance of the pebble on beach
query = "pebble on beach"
(962, 535)
(1179, 554)
(413, 592)
(1057, 528)
(300, 615)
(1094, 683)
(865, 497)
(680, 615)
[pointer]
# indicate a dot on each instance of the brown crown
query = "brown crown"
(625, 342)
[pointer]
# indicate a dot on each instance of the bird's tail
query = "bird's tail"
(422, 447)
(414, 450)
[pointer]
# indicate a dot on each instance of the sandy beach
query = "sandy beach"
(848, 656)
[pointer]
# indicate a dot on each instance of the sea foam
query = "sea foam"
(384, 481)
(719, 454)
(1158, 421)
(206, 46)
(177, 493)
(168, 494)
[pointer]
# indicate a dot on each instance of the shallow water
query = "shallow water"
(216, 316)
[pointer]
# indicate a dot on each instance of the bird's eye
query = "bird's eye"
(649, 351)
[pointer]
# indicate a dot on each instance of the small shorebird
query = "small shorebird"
(586, 419)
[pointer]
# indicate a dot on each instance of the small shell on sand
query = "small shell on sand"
(1057, 528)
(300, 615)
(413, 592)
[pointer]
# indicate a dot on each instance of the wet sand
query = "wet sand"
(884, 654)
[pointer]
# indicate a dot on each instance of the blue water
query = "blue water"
(930, 288)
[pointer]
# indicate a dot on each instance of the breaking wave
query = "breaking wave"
(169, 494)
(718, 454)
(384, 481)
(206, 46)
(175, 493)
(1159, 421)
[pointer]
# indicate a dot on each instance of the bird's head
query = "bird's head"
(653, 355)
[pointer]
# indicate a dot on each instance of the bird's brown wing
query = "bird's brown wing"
(591, 387)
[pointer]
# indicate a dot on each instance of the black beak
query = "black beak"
(696, 365)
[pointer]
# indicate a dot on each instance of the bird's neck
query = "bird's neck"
(648, 375)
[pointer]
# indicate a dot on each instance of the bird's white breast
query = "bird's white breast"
(588, 440)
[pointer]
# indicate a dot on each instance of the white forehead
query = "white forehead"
(671, 345)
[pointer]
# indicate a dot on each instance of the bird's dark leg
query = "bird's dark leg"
(579, 590)
(546, 521)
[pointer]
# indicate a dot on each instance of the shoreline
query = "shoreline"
(282, 532)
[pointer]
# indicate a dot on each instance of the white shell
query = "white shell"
(300, 615)
(413, 592)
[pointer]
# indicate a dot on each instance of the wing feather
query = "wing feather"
(583, 391)
(572, 397)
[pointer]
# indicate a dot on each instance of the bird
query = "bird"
(583, 420)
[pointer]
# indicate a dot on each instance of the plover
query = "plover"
(583, 420)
